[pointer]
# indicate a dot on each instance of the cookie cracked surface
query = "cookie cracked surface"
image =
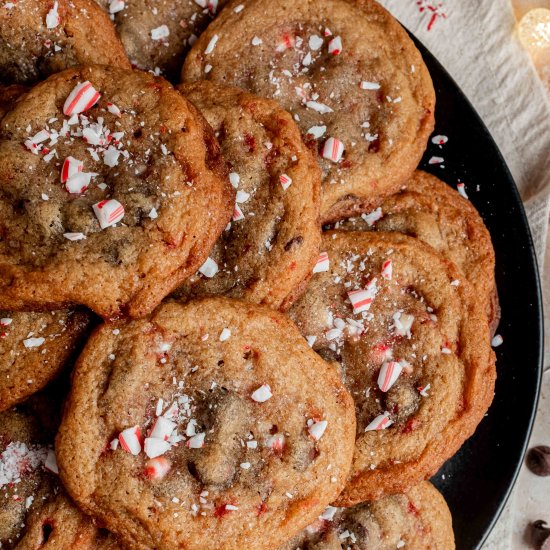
(208, 425)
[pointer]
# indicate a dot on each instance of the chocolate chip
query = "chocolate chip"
(538, 460)
(539, 535)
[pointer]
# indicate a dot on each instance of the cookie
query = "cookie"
(157, 37)
(8, 96)
(128, 193)
(39, 38)
(349, 74)
(430, 210)
(207, 425)
(35, 348)
(268, 251)
(35, 512)
(417, 520)
(411, 341)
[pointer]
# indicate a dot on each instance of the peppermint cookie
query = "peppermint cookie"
(207, 425)
(430, 210)
(417, 520)
(411, 341)
(157, 37)
(112, 192)
(39, 38)
(268, 251)
(34, 349)
(34, 510)
(349, 74)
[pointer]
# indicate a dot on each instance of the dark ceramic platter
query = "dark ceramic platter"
(477, 481)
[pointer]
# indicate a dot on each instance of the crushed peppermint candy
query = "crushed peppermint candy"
(461, 190)
(317, 131)
(372, 217)
(381, 422)
(317, 429)
(361, 300)
(33, 342)
(323, 263)
(366, 85)
(262, 394)
(436, 160)
(333, 149)
(52, 18)
(83, 97)
(225, 334)
(285, 181)
(387, 270)
(402, 324)
(319, 107)
(211, 45)
(116, 5)
(389, 373)
(74, 236)
(439, 140)
(497, 340)
(209, 268)
(157, 468)
(335, 45)
(108, 212)
(130, 440)
(160, 33)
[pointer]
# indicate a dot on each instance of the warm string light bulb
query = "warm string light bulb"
(534, 30)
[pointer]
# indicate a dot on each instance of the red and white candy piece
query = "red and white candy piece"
(71, 167)
(333, 149)
(154, 447)
(157, 468)
(440, 140)
(262, 394)
(461, 190)
(113, 109)
(372, 217)
(323, 263)
(130, 440)
(162, 428)
(196, 442)
(381, 422)
(33, 143)
(5, 322)
(160, 33)
(83, 97)
(402, 323)
(51, 462)
(78, 183)
(387, 270)
(285, 180)
(335, 46)
(317, 429)
(52, 18)
(108, 212)
(237, 213)
(276, 443)
(361, 300)
(116, 5)
(389, 373)
(436, 160)
(209, 268)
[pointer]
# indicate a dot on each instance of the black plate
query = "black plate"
(477, 481)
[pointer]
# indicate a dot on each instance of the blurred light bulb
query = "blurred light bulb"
(534, 30)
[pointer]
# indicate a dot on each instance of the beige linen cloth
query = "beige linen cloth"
(475, 41)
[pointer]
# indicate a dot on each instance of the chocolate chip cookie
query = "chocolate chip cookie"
(268, 251)
(35, 348)
(112, 192)
(349, 74)
(417, 520)
(430, 210)
(410, 338)
(207, 425)
(42, 37)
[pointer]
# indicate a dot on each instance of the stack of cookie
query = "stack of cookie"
(232, 313)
